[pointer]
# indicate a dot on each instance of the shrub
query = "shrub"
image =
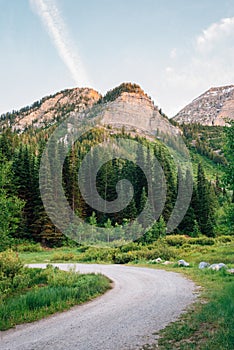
(124, 258)
(201, 241)
(97, 254)
(28, 247)
(176, 240)
(10, 265)
(163, 252)
(224, 239)
(60, 256)
(130, 247)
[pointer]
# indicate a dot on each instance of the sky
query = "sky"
(174, 49)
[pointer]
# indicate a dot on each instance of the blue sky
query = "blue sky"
(175, 49)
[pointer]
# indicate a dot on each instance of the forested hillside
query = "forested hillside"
(24, 216)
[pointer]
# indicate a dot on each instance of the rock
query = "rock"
(158, 260)
(217, 267)
(183, 263)
(155, 261)
(211, 108)
(167, 262)
(203, 265)
(231, 271)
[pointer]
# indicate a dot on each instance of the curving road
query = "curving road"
(142, 302)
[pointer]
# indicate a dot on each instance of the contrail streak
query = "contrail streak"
(56, 27)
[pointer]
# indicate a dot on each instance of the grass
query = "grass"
(31, 294)
(208, 324)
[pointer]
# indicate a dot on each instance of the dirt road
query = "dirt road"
(142, 302)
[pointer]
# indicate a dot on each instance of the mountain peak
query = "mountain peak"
(130, 88)
(213, 107)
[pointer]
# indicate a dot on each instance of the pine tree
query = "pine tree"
(140, 179)
(11, 206)
(206, 204)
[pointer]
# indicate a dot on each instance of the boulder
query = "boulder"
(203, 265)
(217, 267)
(183, 263)
(231, 271)
(167, 262)
(155, 261)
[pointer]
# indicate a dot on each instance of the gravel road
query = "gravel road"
(142, 302)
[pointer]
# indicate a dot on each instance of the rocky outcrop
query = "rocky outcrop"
(136, 112)
(52, 108)
(211, 108)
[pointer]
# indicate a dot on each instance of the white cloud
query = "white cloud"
(215, 32)
(57, 30)
(210, 62)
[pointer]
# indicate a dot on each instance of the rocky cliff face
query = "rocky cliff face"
(136, 112)
(126, 105)
(52, 108)
(211, 108)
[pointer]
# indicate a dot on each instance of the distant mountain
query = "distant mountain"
(210, 108)
(126, 105)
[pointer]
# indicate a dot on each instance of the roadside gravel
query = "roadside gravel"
(142, 302)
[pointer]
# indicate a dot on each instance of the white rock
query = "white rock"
(217, 267)
(183, 263)
(167, 262)
(203, 265)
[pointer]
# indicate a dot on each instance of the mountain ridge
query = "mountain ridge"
(212, 107)
(126, 105)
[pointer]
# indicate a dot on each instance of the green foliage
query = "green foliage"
(10, 265)
(157, 230)
(11, 206)
(24, 151)
(229, 151)
(176, 240)
(206, 326)
(206, 141)
(28, 247)
(30, 294)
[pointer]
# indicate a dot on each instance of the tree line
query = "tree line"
(24, 217)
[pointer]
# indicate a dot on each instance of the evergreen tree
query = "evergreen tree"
(206, 204)
(11, 206)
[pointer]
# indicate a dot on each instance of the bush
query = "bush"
(201, 241)
(130, 247)
(28, 247)
(97, 254)
(224, 239)
(12, 274)
(60, 256)
(124, 258)
(163, 252)
(10, 265)
(176, 240)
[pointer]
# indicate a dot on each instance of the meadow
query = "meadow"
(209, 323)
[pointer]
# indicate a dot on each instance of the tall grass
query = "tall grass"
(30, 294)
(43, 301)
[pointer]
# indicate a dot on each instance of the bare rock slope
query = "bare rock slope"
(210, 108)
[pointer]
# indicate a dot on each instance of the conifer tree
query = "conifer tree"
(206, 204)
